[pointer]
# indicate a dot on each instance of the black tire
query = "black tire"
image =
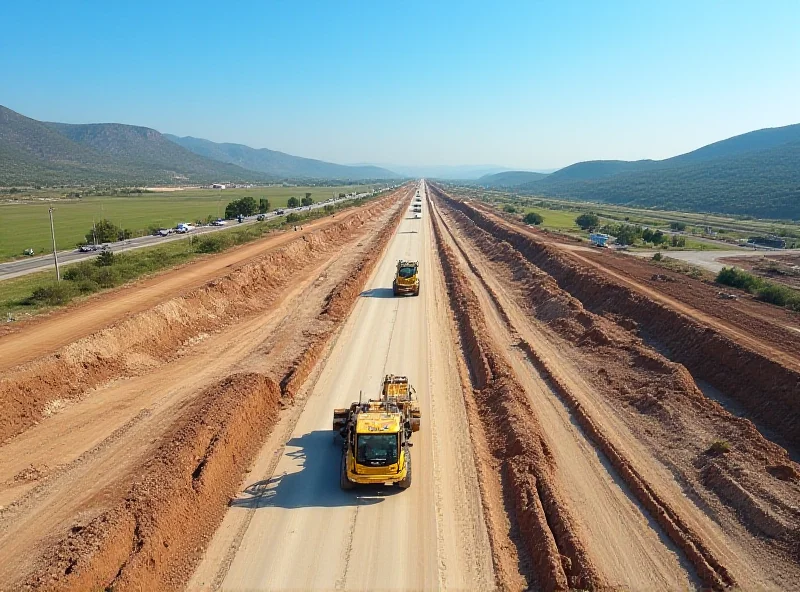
(406, 483)
(344, 482)
(416, 292)
(394, 288)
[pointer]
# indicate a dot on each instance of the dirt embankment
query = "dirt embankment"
(152, 538)
(665, 407)
(544, 527)
(144, 340)
(564, 312)
(710, 356)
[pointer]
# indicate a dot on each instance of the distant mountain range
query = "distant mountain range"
(40, 153)
(510, 179)
(453, 172)
(756, 174)
(278, 163)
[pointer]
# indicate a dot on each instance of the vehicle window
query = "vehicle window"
(377, 449)
(407, 272)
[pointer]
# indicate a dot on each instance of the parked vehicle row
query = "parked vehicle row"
(185, 227)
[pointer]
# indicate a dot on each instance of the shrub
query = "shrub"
(770, 292)
(533, 218)
(53, 294)
(695, 273)
(105, 259)
(80, 271)
(720, 447)
(107, 277)
(779, 294)
(293, 218)
(731, 276)
(212, 244)
(657, 257)
(87, 286)
(508, 208)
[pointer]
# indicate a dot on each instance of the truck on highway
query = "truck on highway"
(406, 279)
(376, 436)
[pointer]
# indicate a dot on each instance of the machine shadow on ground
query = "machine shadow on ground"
(377, 293)
(315, 485)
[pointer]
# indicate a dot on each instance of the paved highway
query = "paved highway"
(22, 267)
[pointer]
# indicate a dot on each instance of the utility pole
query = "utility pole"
(55, 253)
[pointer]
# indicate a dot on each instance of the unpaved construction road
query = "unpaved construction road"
(580, 428)
(430, 536)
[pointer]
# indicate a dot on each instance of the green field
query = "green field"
(556, 219)
(26, 224)
(559, 215)
(23, 296)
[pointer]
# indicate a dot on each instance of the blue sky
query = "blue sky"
(529, 84)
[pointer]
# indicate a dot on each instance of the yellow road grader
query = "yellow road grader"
(376, 434)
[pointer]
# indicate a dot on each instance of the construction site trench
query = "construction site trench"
(581, 427)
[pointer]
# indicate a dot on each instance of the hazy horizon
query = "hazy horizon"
(531, 86)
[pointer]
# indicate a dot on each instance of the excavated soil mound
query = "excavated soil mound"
(132, 345)
(152, 538)
(709, 355)
(536, 504)
(667, 399)
(179, 498)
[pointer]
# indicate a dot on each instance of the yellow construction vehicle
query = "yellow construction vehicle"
(406, 280)
(376, 436)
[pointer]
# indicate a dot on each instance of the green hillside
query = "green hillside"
(764, 139)
(37, 153)
(509, 179)
(761, 183)
(278, 164)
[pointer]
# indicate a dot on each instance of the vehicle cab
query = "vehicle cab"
(406, 280)
(377, 447)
